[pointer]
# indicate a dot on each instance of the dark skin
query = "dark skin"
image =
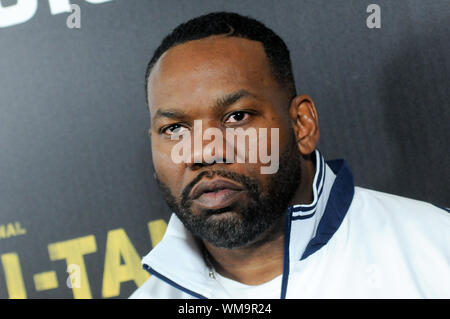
(184, 85)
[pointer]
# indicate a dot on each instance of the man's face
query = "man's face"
(224, 82)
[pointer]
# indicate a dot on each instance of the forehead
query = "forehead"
(199, 71)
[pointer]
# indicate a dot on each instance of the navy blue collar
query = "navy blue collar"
(338, 203)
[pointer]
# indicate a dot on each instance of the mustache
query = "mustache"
(250, 184)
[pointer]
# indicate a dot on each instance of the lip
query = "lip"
(216, 193)
(213, 185)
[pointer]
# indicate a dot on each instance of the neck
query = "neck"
(304, 194)
(253, 264)
(262, 261)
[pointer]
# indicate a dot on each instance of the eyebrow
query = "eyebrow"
(229, 99)
(220, 104)
(168, 113)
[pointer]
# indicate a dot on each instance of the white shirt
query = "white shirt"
(235, 289)
(350, 242)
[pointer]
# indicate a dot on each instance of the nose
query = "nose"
(208, 144)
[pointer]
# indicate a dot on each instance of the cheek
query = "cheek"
(285, 133)
(161, 159)
(168, 172)
(273, 137)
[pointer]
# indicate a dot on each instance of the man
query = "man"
(304, 231)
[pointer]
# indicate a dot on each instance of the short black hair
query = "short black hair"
(232, 24)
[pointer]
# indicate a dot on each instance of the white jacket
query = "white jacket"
(350, 242)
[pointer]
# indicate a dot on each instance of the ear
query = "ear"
(305, 122)
(150, 132)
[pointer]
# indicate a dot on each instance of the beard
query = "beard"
(242, 224)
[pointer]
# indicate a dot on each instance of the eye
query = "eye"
(174, 129)
(237, 117)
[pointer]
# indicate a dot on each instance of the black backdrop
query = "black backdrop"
(76, 181)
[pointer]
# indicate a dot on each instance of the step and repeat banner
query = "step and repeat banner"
(78, 203)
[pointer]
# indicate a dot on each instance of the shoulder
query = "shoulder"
(405, 240)
(154, 288)
(413, 225)
(384, 205)
(142, 292)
